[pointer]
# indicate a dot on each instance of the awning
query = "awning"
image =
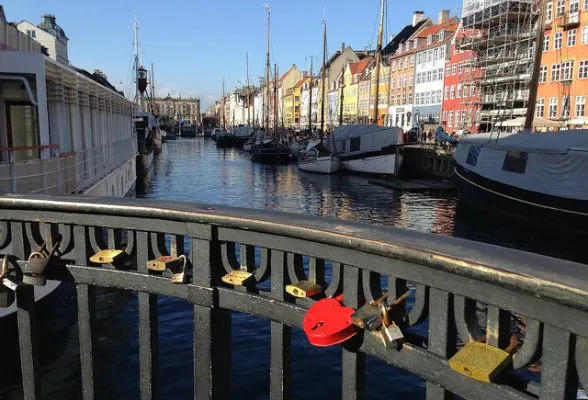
(578, 121)
(537, 122)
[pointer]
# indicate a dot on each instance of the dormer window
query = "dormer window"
(441, 35)
(429, 39)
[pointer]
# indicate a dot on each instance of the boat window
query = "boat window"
(354, 144)
(473, 153)
(515, 161)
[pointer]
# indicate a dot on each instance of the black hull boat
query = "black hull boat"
(271, 152)
(225, 141)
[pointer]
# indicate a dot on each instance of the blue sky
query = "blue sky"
(194, 44)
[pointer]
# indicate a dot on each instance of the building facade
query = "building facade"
(178, 108)
(49, 35)
(563, 77)
(401, 101)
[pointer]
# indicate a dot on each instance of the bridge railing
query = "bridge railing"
(462, 291)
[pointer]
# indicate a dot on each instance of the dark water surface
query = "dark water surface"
(194, 170)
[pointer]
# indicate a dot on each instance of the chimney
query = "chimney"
(417, 17)
(443, 16)
(342, 47)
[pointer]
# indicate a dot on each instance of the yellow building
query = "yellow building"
(382, 93)
(350, 88)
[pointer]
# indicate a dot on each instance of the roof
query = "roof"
(287, 72)
(450, 26)
(402, 36)
(97, 78)
(360, 66)
(301, 82)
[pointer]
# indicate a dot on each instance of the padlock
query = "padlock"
(328, 322)
(238, 277)
(162, 263)
(369, 316)
(304, 289)
(480, 361)
(6, 294)
(107, 256)
(178, 270)
(389, 332)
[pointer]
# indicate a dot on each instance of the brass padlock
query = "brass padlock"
(162, 263)
(304, 289)
(34, 267)
(480, 361)
(178, 269)
(107, 256)
(6, 294)
(238, 277)
(390, 332)
(368, 317)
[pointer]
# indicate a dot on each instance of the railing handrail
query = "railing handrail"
(557, 280)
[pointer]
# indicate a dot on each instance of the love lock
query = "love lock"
(109, 256)
(238, 277)
(389, 332)
(369, 316)
(328, 322)
(6, 292)
(304, 289)
(480, 361)
(36, 264)
(176, 265)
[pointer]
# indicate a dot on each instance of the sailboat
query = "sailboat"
(221, 136)
(317, 157)
(542, 176)
(270, 148)
(370, 149)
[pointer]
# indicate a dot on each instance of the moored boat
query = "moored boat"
(316, 158)
(223, 138)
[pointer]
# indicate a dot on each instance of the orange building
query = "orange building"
(563, 77)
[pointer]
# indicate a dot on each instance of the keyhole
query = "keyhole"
(317, 325)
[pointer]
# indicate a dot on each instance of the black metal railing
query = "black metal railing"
(452, 280)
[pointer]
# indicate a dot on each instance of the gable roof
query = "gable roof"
(449, 26)
(293, 67)
(360, 66)
(404, 35)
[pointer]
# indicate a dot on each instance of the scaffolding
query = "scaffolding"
(501, 35)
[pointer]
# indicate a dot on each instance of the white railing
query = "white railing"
(67, 173)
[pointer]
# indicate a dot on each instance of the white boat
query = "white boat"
(315, 158)
(368, 149)
(542, 175)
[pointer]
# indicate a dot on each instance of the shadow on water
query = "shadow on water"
(194, 170)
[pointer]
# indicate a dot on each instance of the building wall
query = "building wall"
(429, 74)
(178, 108)
(350, 92)
(568, 92)
(460, 94)
(402, 67)
(363, 106)
(56, 48)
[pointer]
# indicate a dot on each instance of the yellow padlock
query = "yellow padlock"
(238, 277)
(480, 361)
(162, 263)
(106, 256)
(304, 289)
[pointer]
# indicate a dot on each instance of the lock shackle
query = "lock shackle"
(35, 254)
(5, 268)
(385, 319)
(183, 257)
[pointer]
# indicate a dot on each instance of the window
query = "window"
(429, 39)
(560, 8)
(557, 40)
(540, 108)
(445, 116)
(32, 33)
(450, 120)
(545, 42)
(574, 6)
(429, 76)
(458, 91)
(355, 144)
(543, 74)
(435, 53)
(585, 4)
(429, 56)
(411, 60)
(565, 105)
(460, 68)
(567, 70)
(549, 12)
(393, 65)
(410, 98)
(448, 68)
(441, 35)
(585, 34)
(446, 93)
(580, 106)
(555, 69)
(515, 161)
(572, 38)
(553, 107)
(405, 62)
(583, 69)
(451, 92)
(473, 153)
(453, 69)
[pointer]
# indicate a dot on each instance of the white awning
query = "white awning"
(537, 122)
(578, 121)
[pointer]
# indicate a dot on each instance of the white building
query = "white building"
(308, 96)
(62, 130)
(430, 68)
(49, 35)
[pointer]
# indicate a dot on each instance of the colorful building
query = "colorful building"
(364, 89)
(563, 77)
(353, 72)
(460, 93)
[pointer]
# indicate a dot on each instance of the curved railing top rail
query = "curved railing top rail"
(542, 276)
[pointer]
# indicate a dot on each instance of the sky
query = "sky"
(195, 44)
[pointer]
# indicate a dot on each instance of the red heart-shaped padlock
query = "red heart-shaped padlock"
(328, 322)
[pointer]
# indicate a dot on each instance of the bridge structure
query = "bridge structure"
(451, 279)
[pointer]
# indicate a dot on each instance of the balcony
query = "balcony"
(570, 20)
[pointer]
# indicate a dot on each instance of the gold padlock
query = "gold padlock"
(107, 256)
(480, 361)
(162, 263)
(304, 289)
(238, 277)
(178, 269)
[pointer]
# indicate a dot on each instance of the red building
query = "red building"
(460, 94)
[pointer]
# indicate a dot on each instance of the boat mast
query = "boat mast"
(323, 77)
(533, 85)
(136, 51)
(310, 98)
(267, 67)
(275, 98)
(341, 97)
(379, 60)
(223, 102)
(248, 88)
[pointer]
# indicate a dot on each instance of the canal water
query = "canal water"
(194, 170)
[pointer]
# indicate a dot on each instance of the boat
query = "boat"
(317, 158)
(270, 151)
(242, 135)
(529, 175)
(223, 138)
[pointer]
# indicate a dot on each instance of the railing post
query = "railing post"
(442, 335)
(27, 324)
(559, 380)
(281, 335)
(212, 326)
(353, 363)
(86, 316)
(148, 326)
